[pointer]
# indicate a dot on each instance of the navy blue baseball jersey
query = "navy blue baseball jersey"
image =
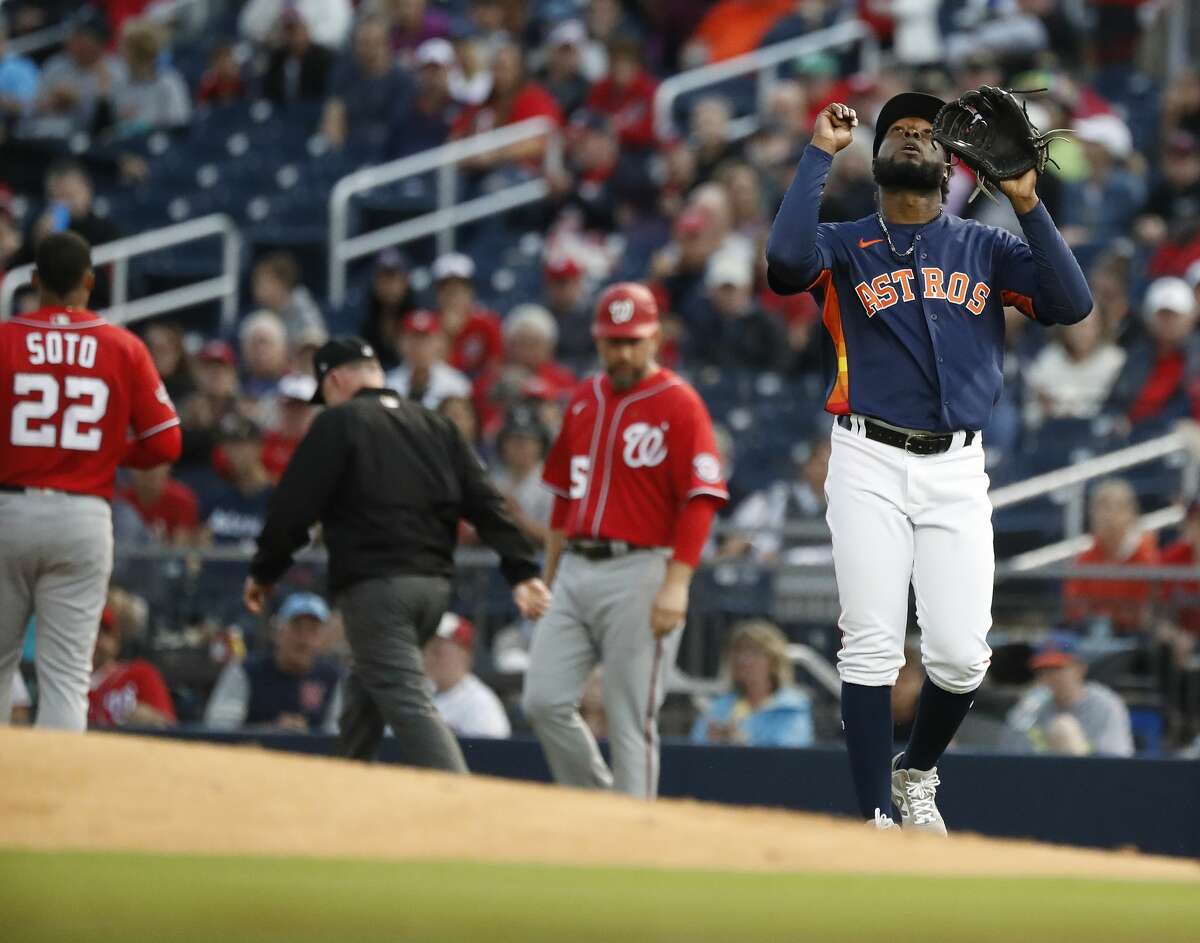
(917, 339)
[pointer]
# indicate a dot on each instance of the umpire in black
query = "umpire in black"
(389, 481)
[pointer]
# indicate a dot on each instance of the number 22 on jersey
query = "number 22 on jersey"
(87, 399)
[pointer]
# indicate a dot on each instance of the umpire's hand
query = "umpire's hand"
(532, 598)
(255, 595)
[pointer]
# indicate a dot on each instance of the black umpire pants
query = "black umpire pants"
(388, 619)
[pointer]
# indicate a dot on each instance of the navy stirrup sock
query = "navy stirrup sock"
(867, 721)
(939, 715)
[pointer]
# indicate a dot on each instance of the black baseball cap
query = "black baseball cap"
(905, 105)
(345, 348)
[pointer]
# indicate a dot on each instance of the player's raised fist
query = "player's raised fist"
(834, 128)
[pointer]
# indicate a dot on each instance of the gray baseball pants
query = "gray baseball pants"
(56, 557)
(601, 613)
(387, 621)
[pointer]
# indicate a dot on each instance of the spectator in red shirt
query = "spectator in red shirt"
(513, 98)
(1155, 380)
(125, 693)
(222, 81)
(1182, 598)
(473, 332)
(167, 507)
(295, 415)
(1116, 541)
(627, 95)
(528, 369)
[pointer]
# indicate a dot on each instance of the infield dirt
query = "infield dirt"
(123, 793)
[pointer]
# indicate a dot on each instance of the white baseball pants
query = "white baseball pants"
(56, 557)
(896, 517)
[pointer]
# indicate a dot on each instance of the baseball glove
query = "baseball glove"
(990, 131)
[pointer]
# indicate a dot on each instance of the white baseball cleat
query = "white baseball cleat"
(883, 822)
(915, 793)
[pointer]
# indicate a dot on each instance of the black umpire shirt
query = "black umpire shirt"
(389, 481)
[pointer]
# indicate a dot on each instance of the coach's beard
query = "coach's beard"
(895, 174)
(622, 378)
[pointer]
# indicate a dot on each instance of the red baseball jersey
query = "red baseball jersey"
(75, 393)
(628, 462)
(113, 697)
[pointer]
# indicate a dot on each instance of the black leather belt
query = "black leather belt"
(13, 489)
(917, 443)
(602, 549)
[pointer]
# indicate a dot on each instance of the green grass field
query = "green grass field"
(127, 898)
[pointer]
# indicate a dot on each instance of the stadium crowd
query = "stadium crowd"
(686, 211)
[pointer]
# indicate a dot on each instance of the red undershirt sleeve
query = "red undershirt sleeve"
(691, 529)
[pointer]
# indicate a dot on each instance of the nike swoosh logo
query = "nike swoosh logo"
(863, 243)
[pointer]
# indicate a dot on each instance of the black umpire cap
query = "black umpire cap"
(905, 105)
(346, 348)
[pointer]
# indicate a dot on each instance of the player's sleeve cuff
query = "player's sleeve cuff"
(161, 427)
(711, 492)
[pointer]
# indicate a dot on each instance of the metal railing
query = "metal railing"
(49, 37)
(1074, 478)
(39, 40)
(223, 287)
(442, 222)
(763, 64)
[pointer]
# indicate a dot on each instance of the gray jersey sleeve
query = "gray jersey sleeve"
(1105, 719)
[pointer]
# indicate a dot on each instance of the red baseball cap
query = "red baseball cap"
(626, 309)
(1056, 650)
(421, 322)
(218, 352)
(562, 267)
(455, 628)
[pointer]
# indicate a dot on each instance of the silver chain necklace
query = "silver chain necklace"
(891, 245)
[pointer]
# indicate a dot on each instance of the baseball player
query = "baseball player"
(636, 481)
(913, 303)
(78, 397)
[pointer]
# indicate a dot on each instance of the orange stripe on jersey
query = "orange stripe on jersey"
(1022, 303)
(839, 397)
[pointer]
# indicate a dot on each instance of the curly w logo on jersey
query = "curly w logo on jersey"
(645, 445)
(890, 288)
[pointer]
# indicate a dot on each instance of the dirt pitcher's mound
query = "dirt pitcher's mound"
(108, 792)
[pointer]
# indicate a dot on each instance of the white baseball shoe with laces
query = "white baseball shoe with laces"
(915, 793)
(883, 822)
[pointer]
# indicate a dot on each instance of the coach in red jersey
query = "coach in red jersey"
(636, 481)
(78, 397)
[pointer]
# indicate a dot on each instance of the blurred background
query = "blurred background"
(457, 181)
